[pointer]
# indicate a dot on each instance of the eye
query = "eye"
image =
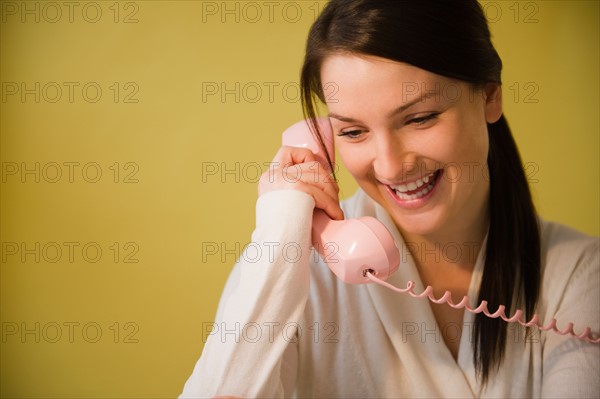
(351, 134)
(422, 119)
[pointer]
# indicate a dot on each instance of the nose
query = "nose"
(392, 162)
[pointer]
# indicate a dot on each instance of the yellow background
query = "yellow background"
(151, 313)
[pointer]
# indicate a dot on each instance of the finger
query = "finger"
(290, 176)
(292, 156)
(325, 202)
(311, 173)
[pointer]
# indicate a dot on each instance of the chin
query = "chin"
(420, 225)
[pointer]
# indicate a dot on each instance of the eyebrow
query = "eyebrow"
(398, 110)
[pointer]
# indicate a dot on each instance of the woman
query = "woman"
(416, 111)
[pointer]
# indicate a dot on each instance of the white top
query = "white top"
(276, 335)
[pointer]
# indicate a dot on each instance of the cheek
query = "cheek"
(475, 150)
(355, 160)
(470, 142)
(467, 163)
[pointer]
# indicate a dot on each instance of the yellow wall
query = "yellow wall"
(164, 131)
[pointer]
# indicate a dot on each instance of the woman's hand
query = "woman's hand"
(296, 168)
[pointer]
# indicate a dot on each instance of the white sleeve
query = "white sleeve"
(252, 342)
(571, 367)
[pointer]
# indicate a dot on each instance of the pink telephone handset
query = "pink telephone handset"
(351, 248)
(363, 250)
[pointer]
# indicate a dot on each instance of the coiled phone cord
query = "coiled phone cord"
(586, 335)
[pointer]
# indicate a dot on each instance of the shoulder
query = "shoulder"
(565, 250)
(570, 287)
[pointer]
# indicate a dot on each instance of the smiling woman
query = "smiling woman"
(417, 119)
(392, 151)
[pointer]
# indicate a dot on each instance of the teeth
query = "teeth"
(401, 189)
(413, 185)
(407, 197)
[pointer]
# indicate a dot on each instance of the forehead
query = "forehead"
(360, 81)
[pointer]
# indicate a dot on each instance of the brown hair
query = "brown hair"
(449, 38)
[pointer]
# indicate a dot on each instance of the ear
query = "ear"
(493, 102)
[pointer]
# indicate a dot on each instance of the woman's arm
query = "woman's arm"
(261, 305)
(254, 337)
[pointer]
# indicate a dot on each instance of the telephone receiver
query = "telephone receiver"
(351, 248)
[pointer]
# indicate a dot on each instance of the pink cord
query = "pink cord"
(517, 317)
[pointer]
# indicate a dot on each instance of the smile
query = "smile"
(416, 189)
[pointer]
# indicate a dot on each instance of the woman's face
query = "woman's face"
(415, 142)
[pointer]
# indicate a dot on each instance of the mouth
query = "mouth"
(416, 191)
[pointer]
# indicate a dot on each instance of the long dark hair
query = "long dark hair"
(449, 38)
